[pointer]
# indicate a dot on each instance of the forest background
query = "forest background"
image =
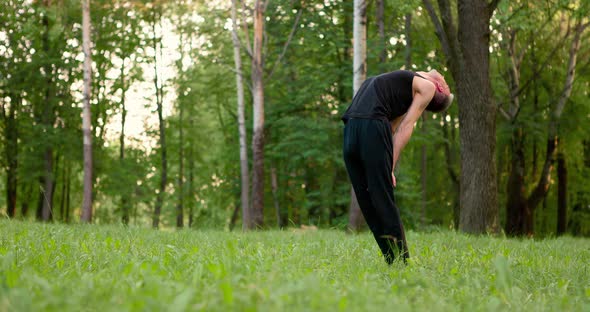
(165, 118)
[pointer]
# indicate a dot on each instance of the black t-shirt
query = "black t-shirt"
(383, 97)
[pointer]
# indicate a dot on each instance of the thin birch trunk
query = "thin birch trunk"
(180, 190)
(244, 170)
(180, 204)
(86, 126)
(356, 220)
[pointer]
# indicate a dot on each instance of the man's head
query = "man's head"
(442, 96)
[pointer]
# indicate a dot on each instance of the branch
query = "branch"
(538, 71)
(233, 70)
(293, 30)
(542, 186)
(236, 42)
(586, 65)
(440, 32)
(504, 113)
(246, 31)
(571, 71)
(246, 48)
(514, 13)
(230, 112)
(454, 60)
(446, 32)
(263, 50)
(513, 75)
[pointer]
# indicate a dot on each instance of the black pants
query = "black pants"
(368, 154)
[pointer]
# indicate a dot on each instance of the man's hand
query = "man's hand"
(393, 178)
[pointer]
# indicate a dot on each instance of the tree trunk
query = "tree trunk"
(275, 196)
(535, 108)
(69, 178)
(234, 218)
(450, 156)
(244, 170)
(344, 54)
(380, 9)
(11, 154)
(561, 194)
(469, 48)
(424, 168)
(47, 123)
(55, 184)
(191, 188)
(180, 204)
(40, 199)
(65, 195)
(520, 209)
(517, 209)
(11, 191)
(162, 127)
(408, 32)
(62, 200)
(46, 211)
(479, 204)
(180, 179)
(515, 189)
(359, 70)
(255, 217)
(86, 126)
(576, 224)
(125, 197)
(26, 200)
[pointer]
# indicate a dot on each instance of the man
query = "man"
(378, 125)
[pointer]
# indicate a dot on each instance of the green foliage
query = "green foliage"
(56, 267)
(306, 91)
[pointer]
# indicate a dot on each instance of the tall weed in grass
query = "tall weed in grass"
(111, 268)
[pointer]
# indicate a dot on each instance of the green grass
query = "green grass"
(107, 268)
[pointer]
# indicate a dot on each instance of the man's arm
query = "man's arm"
(423, 93)
(395, 123)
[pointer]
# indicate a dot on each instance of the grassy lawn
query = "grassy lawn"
(112, 268)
